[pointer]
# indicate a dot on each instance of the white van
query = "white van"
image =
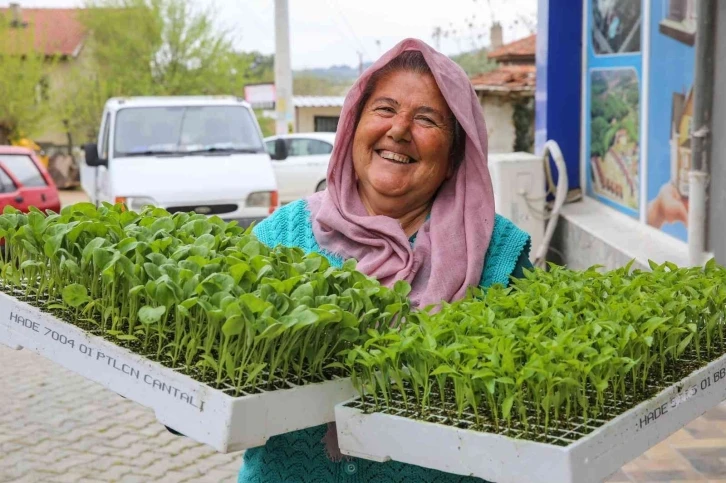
(194, 154)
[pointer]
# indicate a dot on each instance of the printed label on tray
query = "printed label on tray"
(709, 382)
(21, 321)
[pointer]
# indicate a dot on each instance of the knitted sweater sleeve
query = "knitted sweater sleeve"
(507, 255)
(290, 226)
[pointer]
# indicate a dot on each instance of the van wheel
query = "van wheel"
(321, 186)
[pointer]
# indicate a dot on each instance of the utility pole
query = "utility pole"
(437, 37)
(283, 70)
(360, 63)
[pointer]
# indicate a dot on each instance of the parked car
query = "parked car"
(24, 181)
(193, 154)
(300, 162)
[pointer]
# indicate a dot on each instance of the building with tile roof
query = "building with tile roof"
(56, 33)
(519, 52)
(317, 113)
(507, 79)
(506, 95)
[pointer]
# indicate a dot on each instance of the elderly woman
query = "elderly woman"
(409, 196)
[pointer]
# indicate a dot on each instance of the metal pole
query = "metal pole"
(703, 83)
(697, 187)
(283, 70)
(701, 134)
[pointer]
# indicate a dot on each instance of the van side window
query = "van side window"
(103, 148)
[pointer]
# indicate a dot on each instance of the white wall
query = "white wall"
(305, 116)
(498, 112)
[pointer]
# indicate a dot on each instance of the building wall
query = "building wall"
(717, 160)
(305, 116)
(51, 131)
(61, 76)
(498, 112)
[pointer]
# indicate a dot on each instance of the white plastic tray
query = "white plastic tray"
(196, 410)
(501, 459)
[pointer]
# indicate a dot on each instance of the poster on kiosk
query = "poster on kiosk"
(638, 81)
(672, 63)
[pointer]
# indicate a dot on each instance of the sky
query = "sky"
(333, 32)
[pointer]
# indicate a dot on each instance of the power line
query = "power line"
(343, 35)
(345, 20)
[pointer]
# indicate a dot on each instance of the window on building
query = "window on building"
(326, 123)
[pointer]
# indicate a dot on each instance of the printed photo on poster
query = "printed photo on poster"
(616, 26)
(615, 136)
(679, 21)
(671, 203)
(670, 114)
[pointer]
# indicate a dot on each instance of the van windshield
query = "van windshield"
(185, 130)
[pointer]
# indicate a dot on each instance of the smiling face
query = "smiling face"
(402, 145)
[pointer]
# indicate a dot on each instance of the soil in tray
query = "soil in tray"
(560, 432)
(207, 377)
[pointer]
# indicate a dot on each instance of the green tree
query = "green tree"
(253, 67)
(310, 85)
(631, 127)
(82, 105)
(267, 125)
(599, 84)
(474, 62)
(598, 130)
(24, 97)
(172, 49)
(632, 95)
(614, 108)
(597, 107)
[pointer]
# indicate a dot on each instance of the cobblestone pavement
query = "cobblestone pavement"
(696, 453)
(56, 426)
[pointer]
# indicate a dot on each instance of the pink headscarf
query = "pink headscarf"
(448, 254)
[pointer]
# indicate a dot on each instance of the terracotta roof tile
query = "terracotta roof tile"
(507, 77)
(522, 48)
(57, 31)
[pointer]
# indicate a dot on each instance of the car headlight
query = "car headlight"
(258, 200)
(136, 203)
(263, 199)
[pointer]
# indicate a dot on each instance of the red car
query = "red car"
(24, 181)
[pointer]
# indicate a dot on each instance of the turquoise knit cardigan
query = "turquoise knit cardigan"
(299, 457)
